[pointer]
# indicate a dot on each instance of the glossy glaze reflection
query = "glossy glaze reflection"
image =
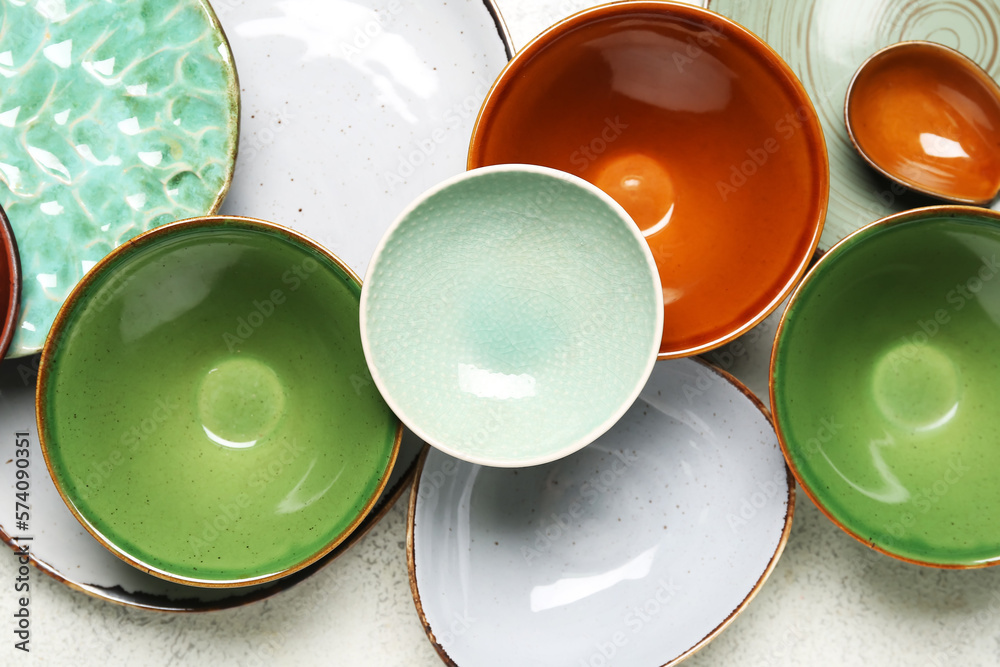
(650, 540)
(928, 117)
(825, 41)
(255, 455)
(698, 130)
(511, 314)
(116, 118)
(884, 378)
(339, 161)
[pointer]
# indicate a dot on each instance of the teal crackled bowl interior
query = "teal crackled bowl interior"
(205, 408)
(511, 315)
(885, 376)
(115, 117)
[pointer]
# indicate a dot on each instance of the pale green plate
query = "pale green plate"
(825, 41)
(115, 117)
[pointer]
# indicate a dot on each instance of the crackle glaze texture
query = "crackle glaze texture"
(258, 453)
(115, 117)
(885, 383)
(826, 41)
(640, 547)
(511, 313)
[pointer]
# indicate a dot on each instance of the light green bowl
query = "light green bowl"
(511, 315)
(205, 408)
(884, 381)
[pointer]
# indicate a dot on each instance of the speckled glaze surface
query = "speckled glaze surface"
(928, 117)
(825, 41)
(511, 315)
(62, 548)
(354, 108)
(636, 550)
(884, 375)
(252, 459)
(114, 118)
(697, 128)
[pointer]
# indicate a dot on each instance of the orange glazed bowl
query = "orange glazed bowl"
(698, 129)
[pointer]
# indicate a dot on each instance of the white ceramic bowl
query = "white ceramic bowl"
(635, 551)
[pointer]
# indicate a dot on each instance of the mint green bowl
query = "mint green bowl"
(511, 315)
(884, 383)
(205, 408)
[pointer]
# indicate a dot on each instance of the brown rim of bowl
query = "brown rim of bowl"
(57, 330)
(905, 182)
(772, 563)
(232, 90)
(945, 210)
(773, 59)
(10, 321)
(161, 603)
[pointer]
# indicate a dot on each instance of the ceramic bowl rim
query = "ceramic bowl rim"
(11, 317)
(202, 224)
(904, 45)
(489, 172)
(903, 217)
(796, 91)
(704, 641)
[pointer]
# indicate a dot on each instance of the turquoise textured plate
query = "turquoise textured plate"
(511, 315)
(114, 118)
(825, 41)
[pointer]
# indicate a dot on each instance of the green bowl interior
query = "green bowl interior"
(885, 380)
(206, 406)
(511, 316)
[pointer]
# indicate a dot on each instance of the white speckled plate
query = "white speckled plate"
(60, 546)
(115, 117)
(636, 550)
(352, 108)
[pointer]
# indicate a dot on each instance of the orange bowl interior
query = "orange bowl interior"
(698, 129)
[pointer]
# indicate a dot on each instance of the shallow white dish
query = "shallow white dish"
(636, 550)
(63, 549)
(353, 108)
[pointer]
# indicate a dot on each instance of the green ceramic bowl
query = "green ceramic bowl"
(511, 315)
(204, 405)
(884, 380)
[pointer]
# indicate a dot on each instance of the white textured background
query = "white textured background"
(830, 601)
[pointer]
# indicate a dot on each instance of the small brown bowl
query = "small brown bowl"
(928, 117)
